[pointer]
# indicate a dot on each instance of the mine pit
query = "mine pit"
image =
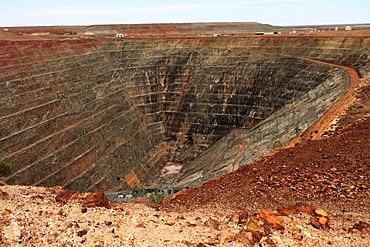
(110, 115)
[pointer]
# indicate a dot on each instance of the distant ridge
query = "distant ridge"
(187, 28)
(355, 25)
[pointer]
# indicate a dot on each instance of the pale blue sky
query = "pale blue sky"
(275, 12)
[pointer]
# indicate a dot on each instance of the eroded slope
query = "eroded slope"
(90, 114)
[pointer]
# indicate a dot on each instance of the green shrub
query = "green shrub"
(156, 198)
(5, 169)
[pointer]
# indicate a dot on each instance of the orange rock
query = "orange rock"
(320, 222)
(323, 220)
(272, 220)
(295, 224)
(295, 209)
(319, 211)
(170, 222)
(297, 235)
(255, 225)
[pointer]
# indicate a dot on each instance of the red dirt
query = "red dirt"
(338, 108)
(333, 172)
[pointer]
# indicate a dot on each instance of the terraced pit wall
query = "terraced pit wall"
(91, 115)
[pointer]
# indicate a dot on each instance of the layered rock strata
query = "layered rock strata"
(94, 115)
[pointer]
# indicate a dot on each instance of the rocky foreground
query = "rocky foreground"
(32, 216)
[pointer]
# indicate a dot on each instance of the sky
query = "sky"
(274, 12)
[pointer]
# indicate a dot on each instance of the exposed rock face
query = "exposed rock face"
(92, 115)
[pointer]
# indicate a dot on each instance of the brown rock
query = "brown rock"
(246, 238)
(81, 233)
(6, 211)
(272, 220)
(65, 195)
(62, 213)
(214, 224)
(258, 229)
(180, 217)
(96, 199)
(3, 195)
(186, 242)
(141, 225)
(269, 242)
(37, 197)
(191, 224)
(240, 217)
(256, 237)
(362, 227)
(233, 218)
(201, 245)
(211, 241)
(295, 209)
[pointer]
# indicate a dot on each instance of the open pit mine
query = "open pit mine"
(112, 114)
